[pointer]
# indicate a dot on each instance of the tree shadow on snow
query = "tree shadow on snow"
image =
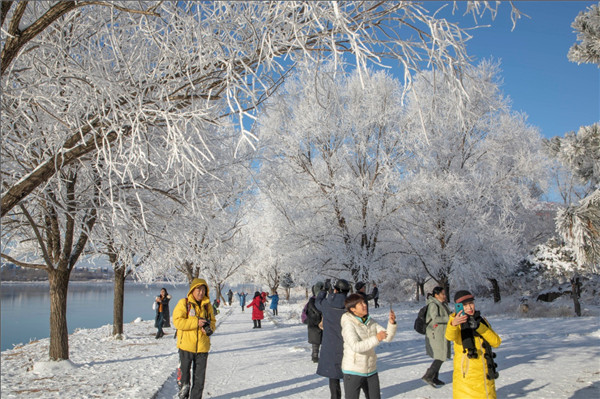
(517, 389)
(593, 391)
(305, 383)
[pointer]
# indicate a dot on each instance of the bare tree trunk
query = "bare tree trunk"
(495, 289)
(119, 295)
(59, 333)
(422, 287)
(417, 286)
(576, 294)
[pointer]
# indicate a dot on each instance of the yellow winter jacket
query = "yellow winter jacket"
(469, 378)
(190, 337)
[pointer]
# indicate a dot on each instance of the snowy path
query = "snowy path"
(539, 358)
(249, 363)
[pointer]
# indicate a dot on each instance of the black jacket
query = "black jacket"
(313, 318)
(332, 346)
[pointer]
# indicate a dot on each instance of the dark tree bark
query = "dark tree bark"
(495, 289)
(576, 294)
(119, 301)
(59, 333)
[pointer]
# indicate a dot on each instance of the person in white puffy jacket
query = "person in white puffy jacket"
(361, 335)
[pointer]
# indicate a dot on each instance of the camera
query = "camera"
(207, 329)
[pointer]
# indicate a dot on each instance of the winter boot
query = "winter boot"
(437, 381)
(315, 353)
(255, 324)
(428, 378)
(184, 392)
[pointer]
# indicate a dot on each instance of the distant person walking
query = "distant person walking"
(216, 304)
(375, 295)
(313, 321)
(242, 295)
(361, 289)
(274, 302)
(163, 316)
(230, 296)
(195, 322)
(436, 344)
(258, 308)
(361, 335)
(332, 346)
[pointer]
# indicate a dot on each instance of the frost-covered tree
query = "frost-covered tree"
(587, 26)
(83, 78)
(51, 232)
(579, 223)
(331, 166)
(476, 166)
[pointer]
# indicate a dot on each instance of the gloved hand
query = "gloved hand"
(474, 322)
(327, 286)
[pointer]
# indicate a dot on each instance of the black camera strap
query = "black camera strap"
(467, 336)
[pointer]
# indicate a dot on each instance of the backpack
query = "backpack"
(261, 305)
(304, 316)
(420, 322)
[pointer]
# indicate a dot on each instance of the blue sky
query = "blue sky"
(558, 95)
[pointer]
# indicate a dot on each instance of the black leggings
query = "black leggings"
(353, 384)
(435, 367)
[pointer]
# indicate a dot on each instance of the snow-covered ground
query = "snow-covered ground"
(538, 358)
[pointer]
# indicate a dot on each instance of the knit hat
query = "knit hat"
(358, 286)
(463, 296)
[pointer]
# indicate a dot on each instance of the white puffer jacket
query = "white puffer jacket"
(360, 340)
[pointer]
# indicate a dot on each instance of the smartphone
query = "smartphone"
(458, 307)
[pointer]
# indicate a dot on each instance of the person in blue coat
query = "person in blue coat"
(274, 302)
(332, 345)
(242, 296)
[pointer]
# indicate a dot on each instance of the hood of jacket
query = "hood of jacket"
(197, 282)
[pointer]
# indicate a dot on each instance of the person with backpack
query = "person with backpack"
(312, 318)
(436, 344)
(474, 367)
(258, 307)
(194, 319)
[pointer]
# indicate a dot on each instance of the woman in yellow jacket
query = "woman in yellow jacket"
(195, 321)
(473, 337)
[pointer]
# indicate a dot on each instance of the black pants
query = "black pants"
(257, 324)
(369, 385)
(435, 367)
(160, 322)
(376, 300)
(275, 312)
(335, 389)
(197, 363)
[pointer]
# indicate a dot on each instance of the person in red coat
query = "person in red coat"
(257, 312)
